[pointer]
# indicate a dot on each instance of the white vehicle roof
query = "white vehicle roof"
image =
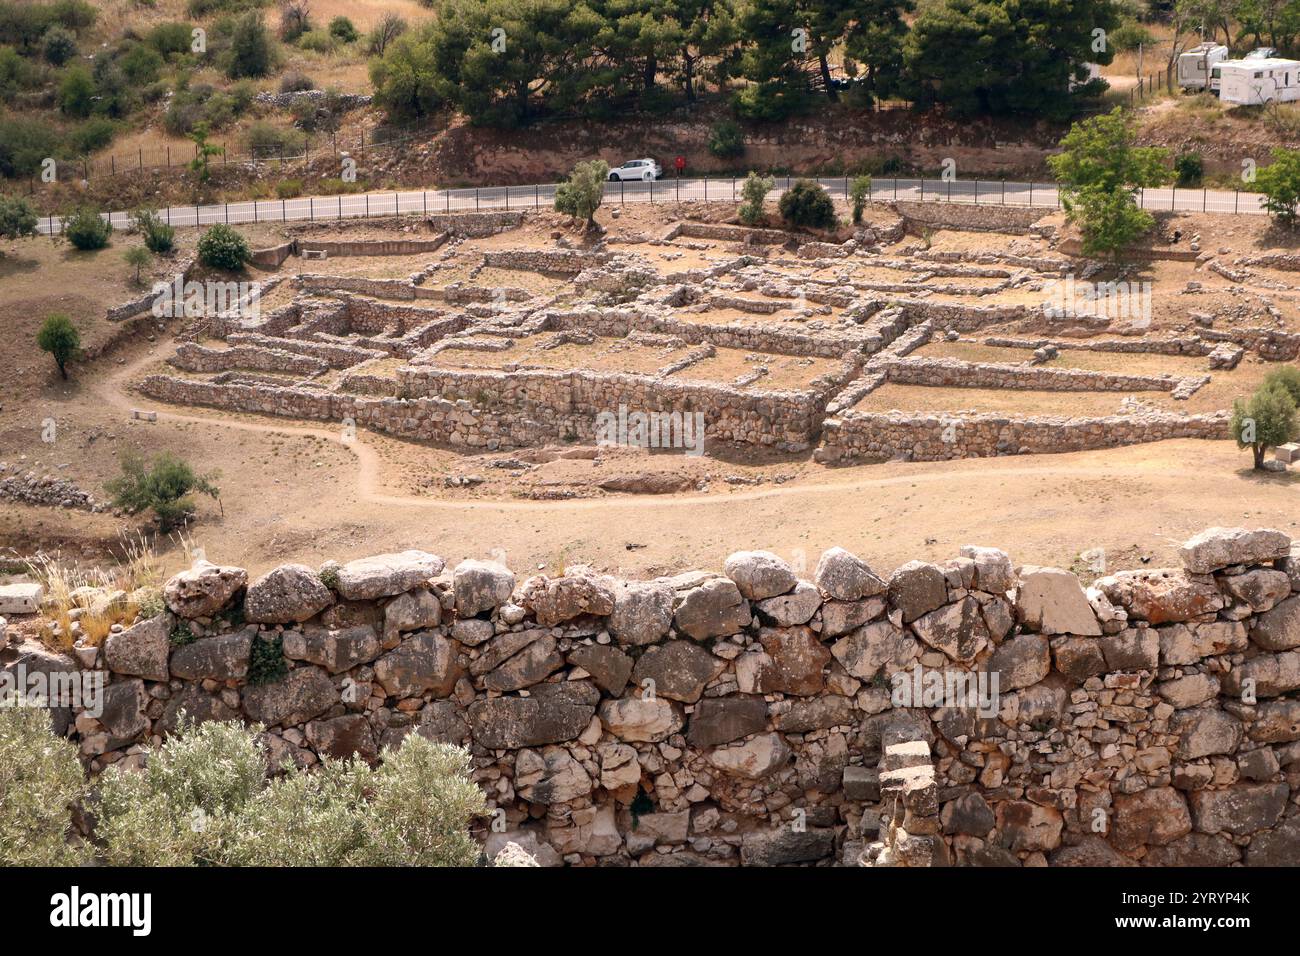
(1204, 48)
(1272, 63)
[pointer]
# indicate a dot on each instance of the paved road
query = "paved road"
(361, 205)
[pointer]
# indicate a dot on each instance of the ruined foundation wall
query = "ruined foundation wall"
(768, 714)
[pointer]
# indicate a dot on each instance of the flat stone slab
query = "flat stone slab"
(21, 598)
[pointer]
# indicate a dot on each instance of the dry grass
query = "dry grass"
(98, 598)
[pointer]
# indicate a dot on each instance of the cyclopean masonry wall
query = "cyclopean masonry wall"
(753, 717)
(936, 436)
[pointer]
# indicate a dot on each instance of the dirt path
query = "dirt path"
(1133, 502)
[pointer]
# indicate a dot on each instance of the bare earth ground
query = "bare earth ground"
(296, 490)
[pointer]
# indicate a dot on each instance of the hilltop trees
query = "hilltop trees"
(1100, 169)
(1005, 56)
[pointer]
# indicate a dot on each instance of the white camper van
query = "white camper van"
(1195, 65)
(1256, 82)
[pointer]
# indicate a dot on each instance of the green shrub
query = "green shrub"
(17, 218)
(727, 140)
(250, 53)
(87, 230)
(60, 338)
(859, 195)
(165, 486)
(288, 188)
(76, 95)
(753, 192)
(138, 257)
(222, 247)
(318, 41)
(142, 64)
(40, 780)
(171, 39)
(181, 634)
(94, 134)
(1286, 377)
(333, 186)
(295, 81)
(1189, 169)
(1267, 420)
(204, 8)
(341, 29)
(807, 204)
(24, 144)
(205, 798)
(268, 142)
(59, 45)
(266, 662)
(582, 193)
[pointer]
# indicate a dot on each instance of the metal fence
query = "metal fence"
(426, 202)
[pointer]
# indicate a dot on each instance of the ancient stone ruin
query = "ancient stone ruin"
(762, 715)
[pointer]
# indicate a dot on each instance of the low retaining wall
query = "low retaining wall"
(968, 216)
(866, 436)
(954, 372)
(965, 712)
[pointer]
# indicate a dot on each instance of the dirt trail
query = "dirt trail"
(1134, 502)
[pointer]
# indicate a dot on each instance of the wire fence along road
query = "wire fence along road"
(427, 202)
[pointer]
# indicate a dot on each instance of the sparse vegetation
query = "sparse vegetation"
(87, 230)
(221, 247)
(205, 799)
(1279, 181)
(582, 193)
(159, 238)
(138, 258)
(752, 194)
(806, 203)
(17, 218)
(164, 486)
(859, 196)
(40, 781)
(60, 338)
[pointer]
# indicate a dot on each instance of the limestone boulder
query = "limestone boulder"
(724, 719)
(1052, 601)
(876, 646)
(289, 594)
(608, 666)
(224, 657)
(759, 574)
(993, 570)
(1241, 809)
(1216, 548)
(797, 661)
(715, 608)
(643, 612)
(1152, 817)
(846, 577)
(754, 759)
(343, 737)
(336, 651)
(1021, 661)
(1162, 596)
(678, 670)
(203, 590)
(425, 661)
(917, 588)
(386, 575)
(481, 586)
(793, 609)
(304, 693)
(1279, 628)
(556, 600)
(551, 776)
(509, 723)
(1204, 731)
(959, 630)
(1259, 589)
(641, 719)
(141, 650)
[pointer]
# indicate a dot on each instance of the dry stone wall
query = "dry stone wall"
(967, 711)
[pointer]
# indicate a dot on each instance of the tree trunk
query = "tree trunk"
(63, 370)
(826, 77)
(1258, 451)
(651, 68)
(688, 63)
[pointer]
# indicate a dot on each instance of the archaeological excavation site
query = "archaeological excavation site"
(923, 543)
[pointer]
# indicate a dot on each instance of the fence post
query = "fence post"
(228, 213)
(476, 205)
(169, 156)
(397, 205)
(1236, 195)
(447, 194)
(706, 186)
(507, 199)
(622, 192)
(311, 208)
(537, 196)
(283, 216)
(425, 194)
(1205, 198)
(367, 204)
(895, 189)
(1031, 193)
(977, 192)
(1173, 193)
(142, 157)
(1004, 192)
(922, 187)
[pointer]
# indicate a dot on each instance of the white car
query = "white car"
(642, 169)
